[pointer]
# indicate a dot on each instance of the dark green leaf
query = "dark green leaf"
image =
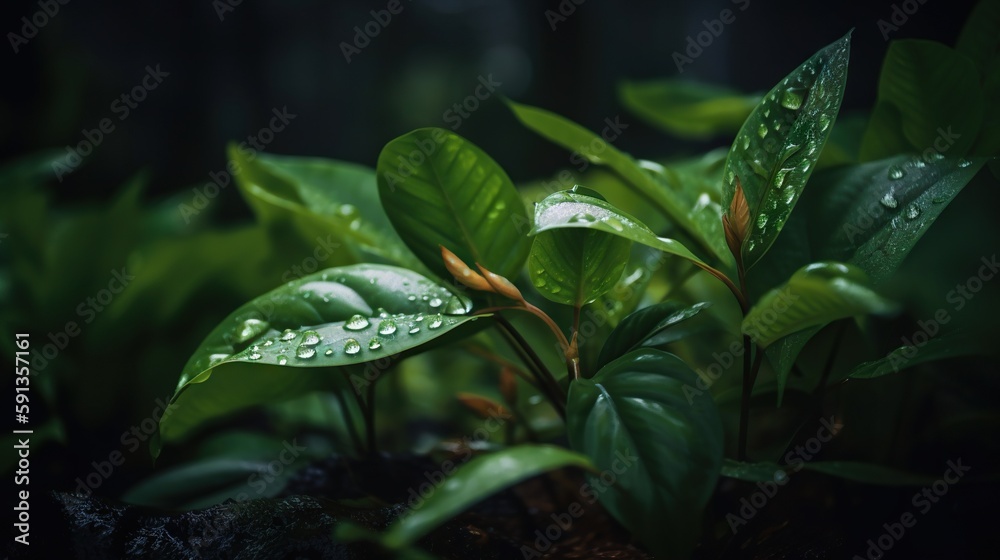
(638, 420)
(694, 212)
(936, 94)
(814, 296)
(873, 214)
(440, 189)
(471, 483)
(645, 323)
(939, 347)
(686, 108)
(342, 316)
(778, 146)
(980, 37)
(848, 470)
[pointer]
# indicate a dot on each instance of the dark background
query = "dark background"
(226, 74)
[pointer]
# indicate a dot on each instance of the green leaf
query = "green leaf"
(440, 189)
(872, 215)
(338, 317)
(935, 92)
(692, 211)
(644, 324)
(848, 470)
(980, 37)
(778, 146)
(207, 483)
(815, 295)
(471, 483)
(575, 267)
(939, 347)
(686, 108)
(636, 420)
(321, 197)
(569, 209)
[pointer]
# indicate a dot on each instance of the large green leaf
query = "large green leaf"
(570, 209)
(661, 446)
(575, 267)
(645, 323)
(694, 212)
(778, 146)
(473, 482)
(872, 215)
(321, 197)
(932, 91)
(815, 295)
(440, 189)
(686, 108)
(266, 350)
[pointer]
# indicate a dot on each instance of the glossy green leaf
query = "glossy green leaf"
(569, 209)
(815, 295)
(872, 215)
(575, 267)
(694, 212)
(339, 317)
(471, 483)
(644, 324)
(321, 197)
(637, 420)
(440, 189)
(935, 92)
(776, 150)
(686, 108)
(938, 347)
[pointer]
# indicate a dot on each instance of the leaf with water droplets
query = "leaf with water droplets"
(338, 325)
(815, 295)
(439, 189)
(780, 142)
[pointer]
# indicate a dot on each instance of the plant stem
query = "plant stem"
(349, 425)
(749, 377)
(546, 382)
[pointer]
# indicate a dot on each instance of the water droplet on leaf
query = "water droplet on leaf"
(310, 338)
(889, 201)
(288, 335)
(387, 327)
(351, 346)
(374, 344)
(356, 323)
(305, 352)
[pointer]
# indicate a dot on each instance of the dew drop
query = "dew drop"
(255, 355)
(540, 282)
(348, 210)
(387, 327)
(746, 142)
(351, 346)
(382, 313)
(329, 352)
(582, 217)
(374, 344)
(761, 221)
(282, 360)
(964, 162)
(912, 211)
(310, 338)
(268, 343)
(889, 201)
(411, 297)
(356, 323)
(615, 224)
(305, 352)
(919, 163)
(435, 302)
(436, 322)
(896, 172)
(939, 199)
(824, 122)
(455, 306)
(414, 329)
(249, 330)
(288, 335)
(791, 99)
(762, 131)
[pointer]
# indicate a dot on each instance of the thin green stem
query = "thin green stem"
(546, 382)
